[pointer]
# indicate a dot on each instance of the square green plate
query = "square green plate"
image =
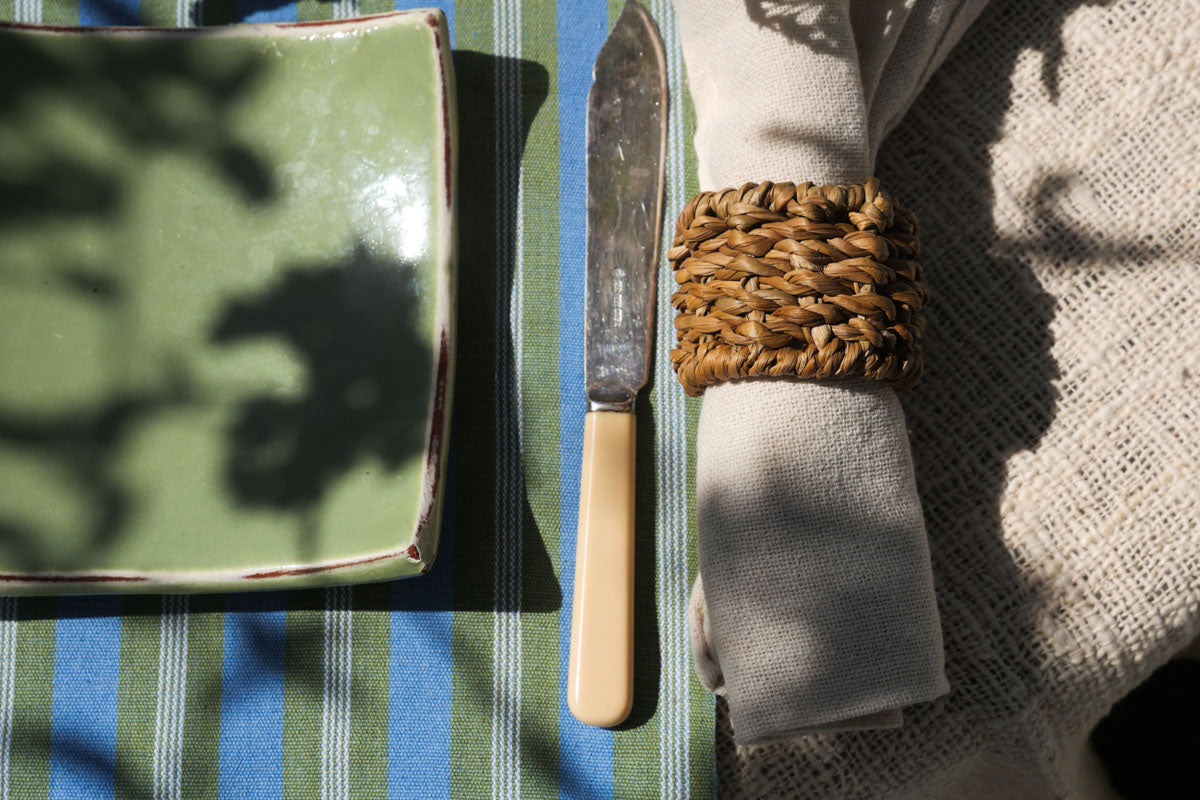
(226, 296)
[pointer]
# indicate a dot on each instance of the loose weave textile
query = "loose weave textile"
(818, 597)
(451, 685)
(1052, 162)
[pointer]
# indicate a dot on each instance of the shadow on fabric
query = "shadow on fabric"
(499, 560)
(1148, 743)
(988, 391)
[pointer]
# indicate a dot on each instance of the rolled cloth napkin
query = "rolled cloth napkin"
(814, 609)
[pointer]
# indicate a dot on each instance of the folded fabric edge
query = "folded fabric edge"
(879, 720)
(708, 669)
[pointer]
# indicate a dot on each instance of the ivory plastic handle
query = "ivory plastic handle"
(600, 667)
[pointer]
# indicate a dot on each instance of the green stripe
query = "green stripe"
(303, 690)
(540, 390)
(691, 168)
(33, 686)
(8, 10)
(369, 691)
(471, 707)
(137, 695)
(474, 411)
(376, 6)
(59, 13)
(158, 14)
(472, 31)
(202, 703)
(313, 10)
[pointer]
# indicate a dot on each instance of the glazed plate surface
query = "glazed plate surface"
(226, 288)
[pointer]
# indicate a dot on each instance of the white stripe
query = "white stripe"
(28, 11)
(182, 620)
(189, 13)
(506, 649)
(8, 673)
(171, 697)
(337, 654)
(671, 448)
(345, 9)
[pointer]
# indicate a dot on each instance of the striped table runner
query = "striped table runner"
(450, 685)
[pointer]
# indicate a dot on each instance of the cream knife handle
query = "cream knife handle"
(600, 667)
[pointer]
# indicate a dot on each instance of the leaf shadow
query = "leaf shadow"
(369, 376)
(183, 107)
(988, 392)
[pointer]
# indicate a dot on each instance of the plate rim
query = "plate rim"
(418, 555)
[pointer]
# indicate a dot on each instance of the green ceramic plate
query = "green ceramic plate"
(226, 292)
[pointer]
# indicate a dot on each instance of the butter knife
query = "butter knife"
(626, 143)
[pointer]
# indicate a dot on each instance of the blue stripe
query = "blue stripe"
(251, 744)
(110, 12)
(83, 732)
(266, 11)
(585, 753)
(419, 673)
(419, 692)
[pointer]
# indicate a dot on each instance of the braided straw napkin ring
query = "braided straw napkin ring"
(797, 280)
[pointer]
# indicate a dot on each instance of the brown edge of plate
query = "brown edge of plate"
(422, 550)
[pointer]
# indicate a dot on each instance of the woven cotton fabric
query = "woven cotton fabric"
(451, 685)
(837, 630)
(1055, 432)
(818, 602)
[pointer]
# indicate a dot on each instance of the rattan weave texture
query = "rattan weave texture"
(797, 280)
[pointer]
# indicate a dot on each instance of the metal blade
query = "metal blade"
(627, 139)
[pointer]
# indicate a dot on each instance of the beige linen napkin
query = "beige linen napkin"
(1056, 433)
(814, 610)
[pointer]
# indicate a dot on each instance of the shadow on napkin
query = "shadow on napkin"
(988, 393)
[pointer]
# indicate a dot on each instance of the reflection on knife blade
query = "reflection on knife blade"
(626, 144)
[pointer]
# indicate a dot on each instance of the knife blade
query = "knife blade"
(626, 145)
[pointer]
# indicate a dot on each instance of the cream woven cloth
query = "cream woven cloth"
(814, 610)
(1052, 161)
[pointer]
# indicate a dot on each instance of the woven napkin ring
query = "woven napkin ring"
(797, 280)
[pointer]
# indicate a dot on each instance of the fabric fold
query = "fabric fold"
(814, 610)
